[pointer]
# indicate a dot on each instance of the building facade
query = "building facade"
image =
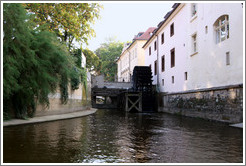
(196, 57)
(132, 55)
(197, 46)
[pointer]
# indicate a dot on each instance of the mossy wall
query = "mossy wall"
(223, 104)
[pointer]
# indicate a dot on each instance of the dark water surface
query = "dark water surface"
(110, 136)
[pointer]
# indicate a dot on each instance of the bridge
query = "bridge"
(136, 96)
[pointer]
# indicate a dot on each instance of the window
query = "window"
(150, 67)
(163, 63)
(194, 43)
(149, 50)
(185, 76)
(227, 58)
(155, 45)
(172, 79)
(162, 38)
(193, 9)
(172, 30)
(206, 29)
(222, 28)
(162, 82)
(156, 67)
(172, 57)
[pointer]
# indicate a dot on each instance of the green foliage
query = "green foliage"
(70, 21)
(108, 53)
(81, 72)
(84, 79)
(75, 78)
(34, 63)
(64, 89)
(92, 61)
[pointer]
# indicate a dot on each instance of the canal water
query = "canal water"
(110, 136)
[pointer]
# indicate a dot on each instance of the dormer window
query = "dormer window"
(140, 34)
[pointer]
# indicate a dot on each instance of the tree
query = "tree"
(34, 63)
(108, 53)
(70, 21)
(92, 61)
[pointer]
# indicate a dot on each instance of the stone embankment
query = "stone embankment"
(224, 104)
(50, 117)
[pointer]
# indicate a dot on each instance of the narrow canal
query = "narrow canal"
(110, 136)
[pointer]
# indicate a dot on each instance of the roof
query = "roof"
(145, 35)
(162, 22)
(140, 36)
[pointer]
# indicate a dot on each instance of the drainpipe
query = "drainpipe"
(157, 51)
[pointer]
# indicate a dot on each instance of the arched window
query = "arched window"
(222, 28)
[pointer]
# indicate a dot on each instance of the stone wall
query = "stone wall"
(223, 104)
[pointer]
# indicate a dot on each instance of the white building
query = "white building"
(198, 45)
(132, 55)
(83, 60)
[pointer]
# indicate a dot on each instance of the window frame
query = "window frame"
(155, 46)
(218, 25)
(193, 10)
(172, 57)
(163, 63)
(228, 58)
(194, 43)
(162, 38)
(172, 29)
(186, 76)
(155, 67)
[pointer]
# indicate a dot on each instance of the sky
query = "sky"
(125, 19)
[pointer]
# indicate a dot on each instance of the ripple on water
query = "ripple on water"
(109, 136)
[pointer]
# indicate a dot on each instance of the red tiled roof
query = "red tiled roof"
(146, 35)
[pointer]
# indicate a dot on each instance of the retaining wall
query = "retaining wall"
(224, 104)
(79, 99)
(56, 107)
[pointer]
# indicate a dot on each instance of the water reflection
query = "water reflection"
(110, 136)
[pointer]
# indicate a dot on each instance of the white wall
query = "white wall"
(208, 67)
(179, 43)
(83, 60)
(137, 55)
(150, 59)
(123, 67)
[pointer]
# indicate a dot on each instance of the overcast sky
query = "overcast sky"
(125, 19)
